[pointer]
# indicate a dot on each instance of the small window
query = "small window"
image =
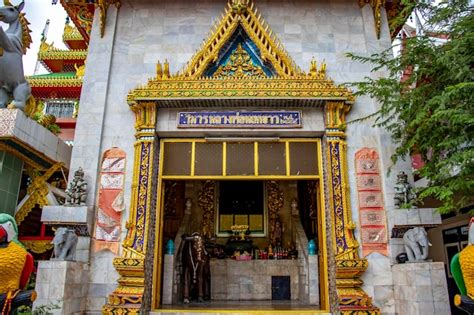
(60, 108)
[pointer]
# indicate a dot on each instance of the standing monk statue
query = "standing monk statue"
(13, 44)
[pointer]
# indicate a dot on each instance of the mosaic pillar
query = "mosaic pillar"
(349, 266)
(128, 296)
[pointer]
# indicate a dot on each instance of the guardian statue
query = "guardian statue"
(77, 190)
(13, 44)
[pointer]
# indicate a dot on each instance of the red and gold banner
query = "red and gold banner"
(373, 223)
(111, 202)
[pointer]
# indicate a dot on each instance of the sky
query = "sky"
(37, 12)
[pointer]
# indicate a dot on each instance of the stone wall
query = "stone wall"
(61, 283)
(420, 288)
(250, 280)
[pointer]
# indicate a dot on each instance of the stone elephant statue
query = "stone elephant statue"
(65, 242)
(416, 244)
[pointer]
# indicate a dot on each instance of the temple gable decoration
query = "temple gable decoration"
(241, 58)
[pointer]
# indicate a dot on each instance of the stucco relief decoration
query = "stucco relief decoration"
(373, 223)
(111, 201)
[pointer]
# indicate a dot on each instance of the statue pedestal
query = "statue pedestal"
(73, 217)
(420, 288)
(404, 219)
(313, 273)
(64, 215)
(168, 277)
(63, 283)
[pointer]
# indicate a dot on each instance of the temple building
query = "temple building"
(224, 170)
(58, 92)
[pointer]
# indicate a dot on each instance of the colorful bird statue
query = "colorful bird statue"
(462, 268)
(16, 265)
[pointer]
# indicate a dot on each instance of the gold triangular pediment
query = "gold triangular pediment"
(239, 77)
(244, 14)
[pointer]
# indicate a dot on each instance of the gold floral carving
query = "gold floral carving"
(239, 65)
(275, 203)
(38, 246)
(37, 192)
(239, 6)
(145, 119)
(206, 202)
(170, 204)
(336, 114)
(258, 88)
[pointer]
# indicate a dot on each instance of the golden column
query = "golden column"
(349, 266)
(128, 296)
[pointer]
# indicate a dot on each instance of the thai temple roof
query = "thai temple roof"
(57, 60)
(73, 38)
(56, 85)
(66, 66)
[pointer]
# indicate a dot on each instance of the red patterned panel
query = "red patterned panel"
(371, 207)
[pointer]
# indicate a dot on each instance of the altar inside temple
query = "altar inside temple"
(258, 242)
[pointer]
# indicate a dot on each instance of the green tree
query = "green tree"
(431, 110)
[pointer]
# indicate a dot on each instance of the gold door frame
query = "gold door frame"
(323, 270)
(128, 296)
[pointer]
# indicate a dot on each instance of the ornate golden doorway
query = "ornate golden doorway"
(206, 167)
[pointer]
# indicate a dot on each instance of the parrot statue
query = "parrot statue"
(462, 269)
(16, 266)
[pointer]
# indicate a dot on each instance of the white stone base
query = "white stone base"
(64, 215)
(63, 283)
(313, 280)
(250, 280)
(420, 288)
(168, 268)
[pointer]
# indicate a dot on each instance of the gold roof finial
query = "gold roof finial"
(239, 6)
(7, 2)
(166, 70)
(159, 70)
(313, 68)
(323, 67)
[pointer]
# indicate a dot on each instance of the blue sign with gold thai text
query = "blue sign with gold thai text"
(240, 119)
